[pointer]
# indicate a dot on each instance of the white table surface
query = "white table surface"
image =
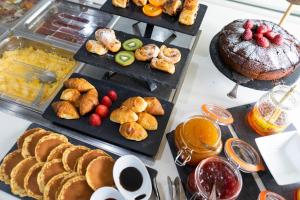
(203, 84)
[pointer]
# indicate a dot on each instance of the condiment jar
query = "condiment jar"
(240, 157)
(199, 137)
(274, 110)
(267, 195)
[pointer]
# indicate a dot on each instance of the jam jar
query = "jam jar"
(267, 195)
(199, 137)
(224, 173)
(274, 111)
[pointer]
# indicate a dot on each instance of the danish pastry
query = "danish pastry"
(122, 115)
(140, 2)
(189, 12)
(120, 3)
(171, 55)
(146, 52)
(172, 7)
(133, 131)
(96, 47)
(108, 38)
(154, 106)
(162, 65)
(136, 104)
(148, 121)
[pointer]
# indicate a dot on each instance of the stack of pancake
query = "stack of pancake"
(46, 166)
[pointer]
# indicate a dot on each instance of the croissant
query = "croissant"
(189, 12)
(79, 84)
(147, 121)
(154, 106)
(71, 95)
(136, 104)
(122, 115)
(120, 3)
(65, 110)
(96, 47)
(88, 101)
(133, 131)
(162, 65)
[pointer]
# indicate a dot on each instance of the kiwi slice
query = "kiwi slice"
(132, 44)
(124, 58)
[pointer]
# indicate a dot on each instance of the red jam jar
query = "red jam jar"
(215, 170)
(267, 195)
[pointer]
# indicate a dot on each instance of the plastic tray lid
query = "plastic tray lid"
(267, 195)
(218, 114)
(243, 156)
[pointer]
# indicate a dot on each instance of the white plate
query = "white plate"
(107, 193)
(281, 153)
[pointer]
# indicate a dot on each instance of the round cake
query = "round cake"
(259, 49)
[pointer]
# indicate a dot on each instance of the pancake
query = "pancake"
(8, 163)
(28, 147)
(27, 133)
(18, 175)
(64, 180)
(78, 184)
(58, 151)
(71, 155)
(49, 170)
(46, 144)
(99, 172)
(30, 181)
(86, 158)
(53, 185)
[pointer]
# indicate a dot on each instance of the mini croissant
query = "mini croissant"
(136, 104)
(133, 131)
(154, 106)
(147, 121)
(122, 115)
(65, 110)
(79, 84)
(71, 95)
(88, 101)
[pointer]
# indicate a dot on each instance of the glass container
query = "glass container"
(267, 195)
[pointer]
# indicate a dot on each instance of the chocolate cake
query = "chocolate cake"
(259, 49)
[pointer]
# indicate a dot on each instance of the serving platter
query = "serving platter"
(6, 188)
(255, 84)
(164, 20)
(109, 131)
(138, 69)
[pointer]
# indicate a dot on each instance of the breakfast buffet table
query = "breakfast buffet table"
(202, 83)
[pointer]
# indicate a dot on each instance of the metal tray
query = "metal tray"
(66, 22)
(164, 20)
(22, 41)
(138, 69)
(6, 188)
(109, 131)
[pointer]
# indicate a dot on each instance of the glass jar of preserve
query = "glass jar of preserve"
(274, 110)
(224, 174)
(199, 137)
(267, 195)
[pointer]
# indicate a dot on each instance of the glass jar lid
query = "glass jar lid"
(243, 156)
(218, 114)
(267, 195)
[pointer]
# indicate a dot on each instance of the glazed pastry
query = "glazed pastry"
(162, 65)
(79, 84)
(154, 106)
(65, 110)
(136, 104)
(8, 163)
(30, 181)
(88, 101)
(172, 7)
(133, 131)
(140, 2)
(122, 115)
(120, 3)
(148, 121)
(96, 47)
(108, 38)
(147, 52)
(171, 55)
(189, 12)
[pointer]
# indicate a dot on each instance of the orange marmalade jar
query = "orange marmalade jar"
(199, 137)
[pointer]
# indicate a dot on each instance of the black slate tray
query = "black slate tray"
(250, 189)
(164, 20)
(255, 84)
(109, 131)
(6, 188)
(139, 70)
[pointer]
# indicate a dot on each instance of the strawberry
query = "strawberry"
(248, 24)
(112, 95)
(270, 35)
(102, 111)
(278, 39)
(247, 35)
(95, 120)
(106, 101)
(263, 42)
(262, 29)
(258, 35)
